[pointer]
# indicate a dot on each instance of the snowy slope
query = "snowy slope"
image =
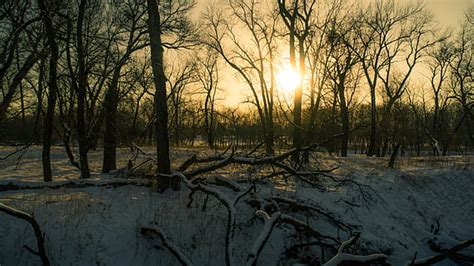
(421, 199)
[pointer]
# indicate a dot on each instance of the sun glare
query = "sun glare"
(288, 79)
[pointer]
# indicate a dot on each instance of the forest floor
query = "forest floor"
(423, 198)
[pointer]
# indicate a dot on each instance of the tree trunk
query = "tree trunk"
(161, 108)
(345, 129)
(53, 88)
(344, 111)
(110, 131)
(269, 137)
(81, 96)
(297, 125)
(373, 146)
(391, 164)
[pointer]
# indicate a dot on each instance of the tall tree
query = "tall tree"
(129, 30)
(297, 17)
(254, 65)
(47, 16)
(462, 67)
(16, 26)
(81, 94)
(208, 75)
(379, 28)
(161, 108)
(342, 73)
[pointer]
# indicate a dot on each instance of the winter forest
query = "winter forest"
(236, 132)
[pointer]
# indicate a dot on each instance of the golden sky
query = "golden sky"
(447, 12)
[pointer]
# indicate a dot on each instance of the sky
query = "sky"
(448, 12)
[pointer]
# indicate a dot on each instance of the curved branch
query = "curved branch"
(39, 235)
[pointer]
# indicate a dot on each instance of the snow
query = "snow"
(421, 199)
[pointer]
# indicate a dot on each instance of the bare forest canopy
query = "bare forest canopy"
(373, 78)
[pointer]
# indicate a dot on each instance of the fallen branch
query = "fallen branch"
(446, 254)
(341, 257)
(269, 224)
(228, 183)
(39, 235)
(230, 206)
(74, 184)
(327, 214)
(457, 257)
(167, 242)
(21, 150)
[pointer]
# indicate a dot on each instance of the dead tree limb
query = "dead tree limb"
(167, 242)
(17, 150)
(446, 254)
(230, 206)
(457, 257)
(269, 224)
(341, 257)
(325, 213)
(39, 235)
(228, 183)
(75, 184)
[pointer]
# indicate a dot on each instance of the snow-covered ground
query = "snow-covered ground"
(421, 199)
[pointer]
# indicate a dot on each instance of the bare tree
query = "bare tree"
(47, 13)
(439, 65)
(129, 30)
(18, 33)
(174, 22)
(180, 76)
(161, 109)
(462, 68)
(379, 28)
(81, 93)
(208, 75)
(419, 36)
(297, 17)
(254, 66)
(342, 72)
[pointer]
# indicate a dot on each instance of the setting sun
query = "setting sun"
(288, 79)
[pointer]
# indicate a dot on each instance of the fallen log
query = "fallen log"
(74, 184)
